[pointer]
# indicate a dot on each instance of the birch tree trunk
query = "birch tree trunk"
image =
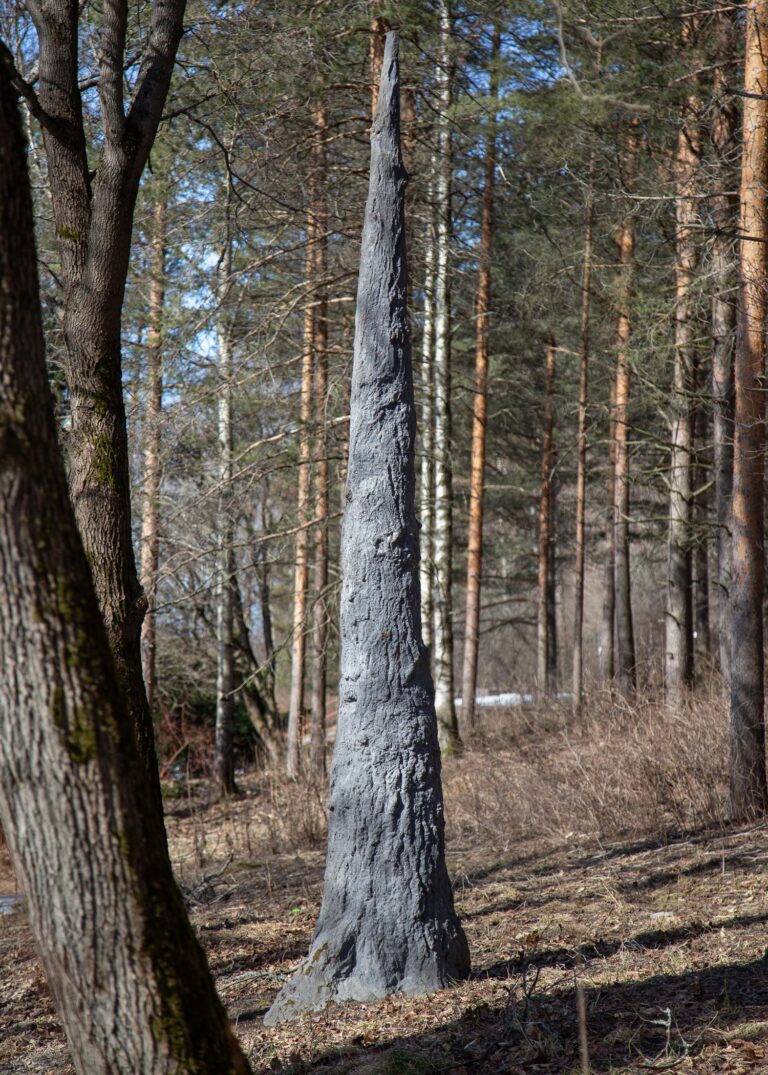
(725, 126)
(427, 484)
(150, 531)
(129, 980)
(480, 408)
(387, 923)
(678, 619)
(320, 580)
(224, 759)
(748, 794)
(442, 646)
(625, 635)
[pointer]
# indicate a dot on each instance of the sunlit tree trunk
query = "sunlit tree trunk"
(748, 794)
(301, 552)
(725, 128)
(427, 436)
(678, 617)
(607, 651)
(480, 410)
(379, 28)
(442, 647)
(150, 531)
(577, 686)
(625, 635)
(320, 579)
(544, 639)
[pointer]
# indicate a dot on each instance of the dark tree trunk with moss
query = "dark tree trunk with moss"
(93, 204)
(130, 981)
(387, 922)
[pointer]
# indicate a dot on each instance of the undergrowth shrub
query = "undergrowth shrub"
(624, 770)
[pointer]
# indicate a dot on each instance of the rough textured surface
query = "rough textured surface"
(130, 981)
(387, 922)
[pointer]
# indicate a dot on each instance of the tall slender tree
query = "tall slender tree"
(442, 647)
(150, 529)
(678, 618)
(480, 404)
(748, 789)
(545, 640)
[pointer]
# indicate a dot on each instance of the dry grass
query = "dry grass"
(624, 771)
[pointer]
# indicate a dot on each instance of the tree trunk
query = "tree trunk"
(442, 647)
(607, 651)
(150, 534)
(301, 555)
(577, 685)
(725, 126)
(701, 519)
(387, 923)
(748, 794)
(224, 757)
(543, 619)
(379, 28)
(427, 486)
(678, 618)
(93, 217)
(319, 605)
(128, 977)
(480, 409)
(625, 636)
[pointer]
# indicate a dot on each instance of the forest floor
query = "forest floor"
(666, 936)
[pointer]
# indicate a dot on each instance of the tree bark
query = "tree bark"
(128, 977)
(544, 639)
(678, 618)
(379, 28)
(480, 408)
(607, 651)
(577, 686)
(625, 635)
(93, 217)
(224, 756)
(702, 526)
(442, 647)
(387, 922)
(150, 530)
(427, 485)
(319, 605)
(748, 792)
(301, 555)
(725, 126)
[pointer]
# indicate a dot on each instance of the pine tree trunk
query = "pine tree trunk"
(320, 580)
(678, 619)
(480, 411)
(607, 651)
(543, 619)
(150, 533)
(379, 28)
(442, 646)
(577, 684)
(625, 635)
(702, 525)
(301, 554)
(224, 758)
(748, 794)
(725, 127)
(427, 431)
(130, 982)
(387, 923)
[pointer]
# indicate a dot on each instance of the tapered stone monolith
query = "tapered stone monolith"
(387, 923)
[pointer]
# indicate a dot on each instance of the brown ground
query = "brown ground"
(667, 937)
